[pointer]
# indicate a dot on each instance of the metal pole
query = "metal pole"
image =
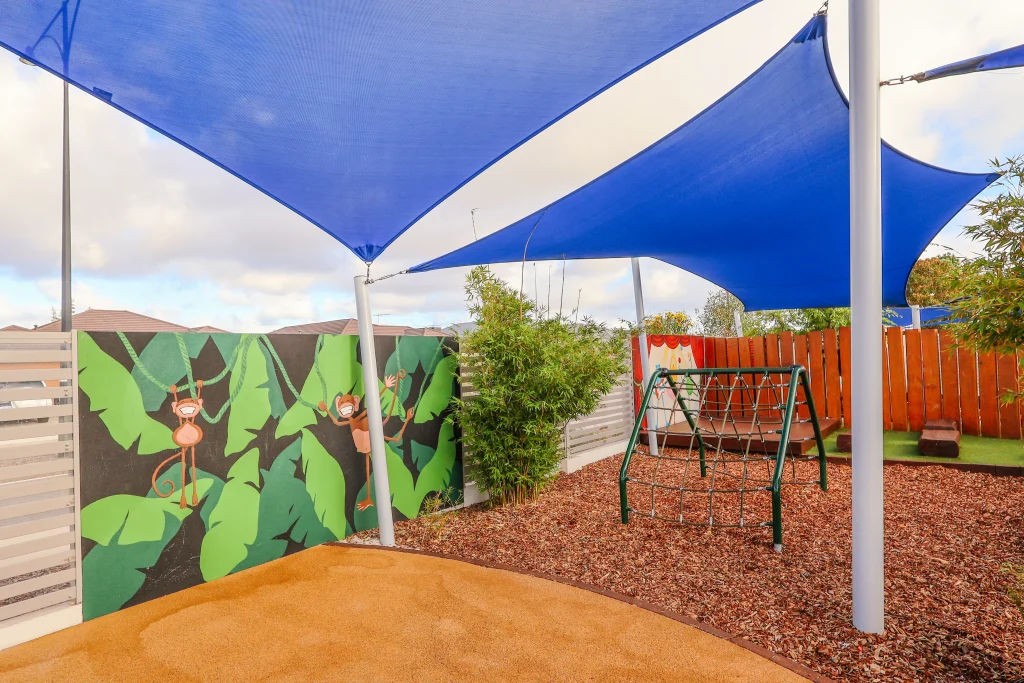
(645, 360)
(371, 396)
(915, 317)
(738, 321)
(65, 249)
(866, 324)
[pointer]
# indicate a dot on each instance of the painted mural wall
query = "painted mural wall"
(674, 352)
(205, 454)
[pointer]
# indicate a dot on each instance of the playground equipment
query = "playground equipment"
(722, 452)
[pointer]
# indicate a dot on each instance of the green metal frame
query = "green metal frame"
(797, 377)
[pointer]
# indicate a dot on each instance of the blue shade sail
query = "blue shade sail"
(360, 115)
(1004, 59)
(752, 194)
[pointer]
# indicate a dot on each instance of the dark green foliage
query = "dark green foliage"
(935, 281)
(532, 374)
(716, 318)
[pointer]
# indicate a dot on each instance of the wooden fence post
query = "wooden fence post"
(1009, 413)
(897, 378)
(950, 378)
(833, 387)
(988, 394)
(915, 380)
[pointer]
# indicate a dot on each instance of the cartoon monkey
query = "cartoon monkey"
(347, 406)
(186, 436)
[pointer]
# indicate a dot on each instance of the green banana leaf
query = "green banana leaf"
(116, 397)
(410, 354)
(136, 518)
(285, 508)
(233, 520)
(162, 359)
(112, 574)
(439, 391)
(251, 408)
(421, 454)
(325, 483)
(276, 396)
(436, 475)
(131, 533)
(342, 374)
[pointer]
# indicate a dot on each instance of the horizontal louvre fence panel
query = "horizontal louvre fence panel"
(39, 519)
(51, 560)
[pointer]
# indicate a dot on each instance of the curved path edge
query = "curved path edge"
(782, 661)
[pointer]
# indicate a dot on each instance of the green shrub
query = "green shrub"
(990, 313)
(532, 373)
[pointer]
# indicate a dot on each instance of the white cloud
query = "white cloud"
(163, 232)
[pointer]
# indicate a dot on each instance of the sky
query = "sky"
(155, 226)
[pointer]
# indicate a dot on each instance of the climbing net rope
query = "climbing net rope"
(244, 343)
(722, 441)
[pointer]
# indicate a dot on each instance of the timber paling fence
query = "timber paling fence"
(925, 376)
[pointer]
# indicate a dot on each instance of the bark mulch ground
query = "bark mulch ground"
(947, 535)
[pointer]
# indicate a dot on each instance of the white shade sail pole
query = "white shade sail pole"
(645, 359)
(866, 313)
(737, 320)
(371, 390)
(915, 317)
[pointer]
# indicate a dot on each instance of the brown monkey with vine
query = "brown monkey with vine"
(186, 437)
(347, 406)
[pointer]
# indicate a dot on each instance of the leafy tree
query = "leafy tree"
(817, 319)
(991, 310)
(716, 318)
(669, 322)
(55, 314)
(935, 281)
(532, 373)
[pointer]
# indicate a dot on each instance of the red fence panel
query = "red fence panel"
(1009, 413)
(970, 409)
(988, 391)
(886, 392)
(926, 376)
(800, 358)
(897, 378)
(844, 369)
(915, 380)
(950, 378)
(932, 385)
(816, 365)
(833, 386)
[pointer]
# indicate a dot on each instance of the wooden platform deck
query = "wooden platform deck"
(734, 436)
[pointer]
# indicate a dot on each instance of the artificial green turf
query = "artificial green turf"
(973, 449)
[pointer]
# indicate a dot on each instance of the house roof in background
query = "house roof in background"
(101, 320)
(14, 328)
(351, 326)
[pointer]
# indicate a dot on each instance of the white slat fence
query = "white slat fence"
(40, 551)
